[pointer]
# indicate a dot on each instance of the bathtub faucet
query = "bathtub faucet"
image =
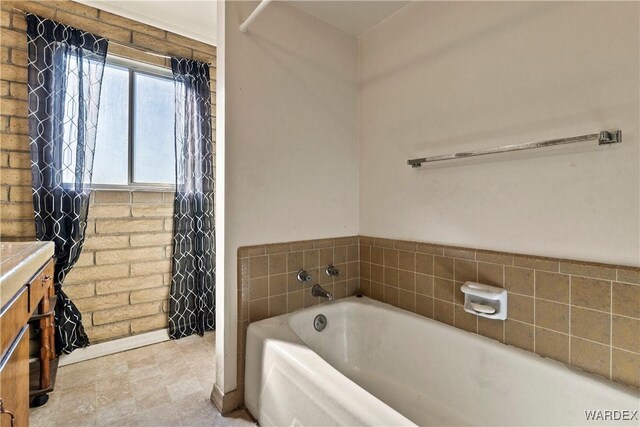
(319, 291)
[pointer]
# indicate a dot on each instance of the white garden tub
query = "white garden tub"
(375, 364)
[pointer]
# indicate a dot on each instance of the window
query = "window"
(135, 137)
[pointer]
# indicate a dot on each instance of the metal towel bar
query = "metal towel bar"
(603, 138)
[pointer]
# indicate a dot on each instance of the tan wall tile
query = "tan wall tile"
(424, 284)
(424, 306)
(626, 333)
(443, 267)
(590, 324)
(552, 286)
(464, 320)
(552, 316)
(626, 367)
(591, 293)
(629, 274)
(597, 271)
(625, 299)
(519, 334)
(519, 280)
(407, 300)
(520, 308)
(491, 328)
(590, 356)
(491, 274)
(443, 289)
(424, 263)
(443, 311)
(552, 344)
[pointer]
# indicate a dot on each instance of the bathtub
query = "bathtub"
(375, 364)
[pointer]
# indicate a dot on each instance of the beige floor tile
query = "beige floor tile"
(163, 384)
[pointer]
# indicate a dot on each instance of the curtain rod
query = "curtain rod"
(140, 49)
(245, 25)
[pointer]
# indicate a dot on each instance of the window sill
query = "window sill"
(148, 188)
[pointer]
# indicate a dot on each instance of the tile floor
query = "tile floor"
(166, 384)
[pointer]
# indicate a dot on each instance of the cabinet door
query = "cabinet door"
(14, 381)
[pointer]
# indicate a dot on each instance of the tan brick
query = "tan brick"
(143, 268)
(126, 312)
(168, 224)
(20, 194)
(19, 22)
(13, 73)
(16, 177)
(19, 57)
(119, 21)
(158, 321)
(76, 8)
(18, 90)
(17, 211)
(190, 43)
(89, 274)
(109, 211)
(5, 19)
(155, 239)
(5, 87)
(25, 228)
(106, 242)
(14, 107)
(4, 196)
(105, 30)
(14, 39)
(4, 160)
(5, 55)
(159, 210)
(19, 125)
(103, 196)
(160, 46)
(107, 332)
(85, 259)
(153, 294)
(20, 160)
(84, 290)
(128, 255)
(128, 225)
(147, 197)
(128, 284)
(102, 302)
(15, 142)
(39, 8)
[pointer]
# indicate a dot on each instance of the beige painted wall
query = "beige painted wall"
(444, 77)
(290, 141)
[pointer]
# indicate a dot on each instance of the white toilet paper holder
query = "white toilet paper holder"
(484, 300)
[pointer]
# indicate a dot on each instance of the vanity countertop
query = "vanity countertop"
(19, 261)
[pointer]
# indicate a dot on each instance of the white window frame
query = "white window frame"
(139, 68)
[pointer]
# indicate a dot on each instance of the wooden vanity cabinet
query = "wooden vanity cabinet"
(32, 300)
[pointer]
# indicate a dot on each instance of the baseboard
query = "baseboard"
(226, 402)
(114, 346)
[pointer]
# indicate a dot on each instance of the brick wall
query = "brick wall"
(120, 283)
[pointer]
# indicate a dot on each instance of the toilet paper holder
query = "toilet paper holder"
(484, 300)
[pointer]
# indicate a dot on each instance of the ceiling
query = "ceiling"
(196, 19)
(354, 17)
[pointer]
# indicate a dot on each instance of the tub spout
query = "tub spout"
(319, 291)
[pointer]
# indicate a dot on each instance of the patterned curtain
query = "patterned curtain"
(64, 79)
(191, 301)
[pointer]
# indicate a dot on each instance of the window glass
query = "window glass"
(111, 160)
(153, 125)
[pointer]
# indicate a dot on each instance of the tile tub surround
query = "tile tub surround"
(267, 284)
(121, 281)
(583, 314)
